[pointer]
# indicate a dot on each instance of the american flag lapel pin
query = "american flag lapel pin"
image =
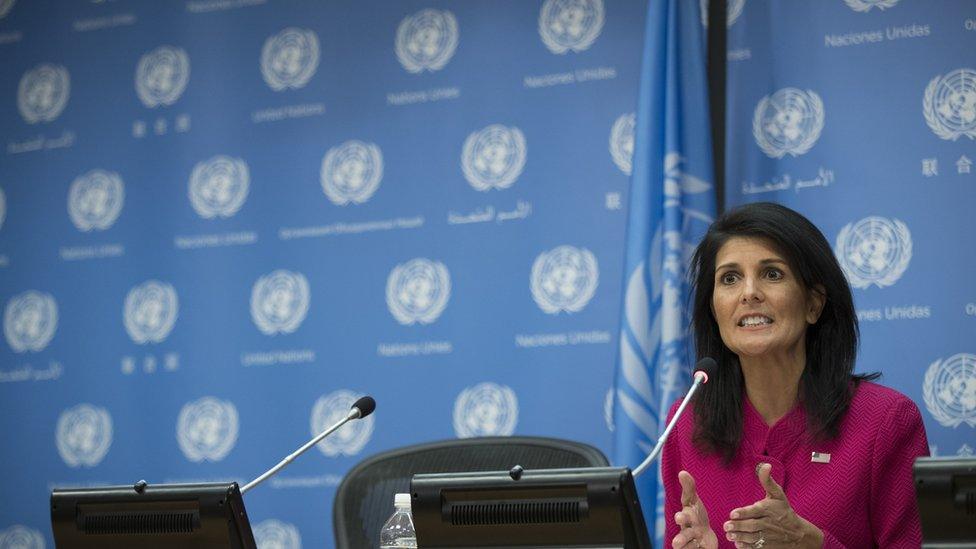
(820, 457)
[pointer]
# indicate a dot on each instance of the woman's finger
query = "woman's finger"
(688, 494)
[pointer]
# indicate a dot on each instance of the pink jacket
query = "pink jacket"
(864, 497)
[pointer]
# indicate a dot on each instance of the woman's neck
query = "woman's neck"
(772, 384)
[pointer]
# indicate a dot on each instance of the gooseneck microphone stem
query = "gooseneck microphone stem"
(354, 413)
(700, 377)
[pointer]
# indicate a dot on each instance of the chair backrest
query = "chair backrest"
(364, 499)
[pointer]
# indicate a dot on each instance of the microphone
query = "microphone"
(703, 369)
(360, 409)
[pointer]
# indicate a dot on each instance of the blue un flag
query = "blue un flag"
(672, 202)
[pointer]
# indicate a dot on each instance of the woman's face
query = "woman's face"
(760, 305)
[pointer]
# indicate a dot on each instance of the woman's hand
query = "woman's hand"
(770, 523)
(692, 518)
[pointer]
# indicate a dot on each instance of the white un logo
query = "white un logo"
(274, 534)
(150, 311)
(289, 59)
(866, 5)
(29, 321)
(417, 291)
(95, 200)
(350, 439)
(564, 279)
(83, 435)
(218, 186)
(949, 390)
(950, 104)
(485, 410)
(279, 302)
(733, 11)
(207, 429)
(43, 93)
(162, 75)
(493, 158)
(19, 536)
(622, 142)
(566, 25)
(788, 122)
(426, 40)
(351, 172)
(875, 250)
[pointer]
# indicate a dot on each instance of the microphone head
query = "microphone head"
(706, 367)
(365, 405)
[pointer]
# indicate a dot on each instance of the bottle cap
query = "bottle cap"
(401, 499)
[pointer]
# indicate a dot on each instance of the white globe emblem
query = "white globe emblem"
(622, 142)
(608, 402)
(426, 40)
(493, 158)
(83, 435)
(484, 410)
(29, 321)
(43, 93)
(5, 6)
(950, 104)
(949, 390)
(350, 438)
(564, 279)
(18, 536)
(418, 291)
(150, 311)
(279, 302)
(566, 25)
(788, 122)
(875, 250)
(162, 76)
(218, 186)
(290, 58)
(733, 10)
(351, 172)
(207, 429)
(865, 5)
(95, 200)
(274, 534)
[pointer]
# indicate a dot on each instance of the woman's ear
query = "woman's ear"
(816, 300)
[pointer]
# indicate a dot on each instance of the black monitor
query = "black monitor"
(946, 491)
(162, 516)
(569, 508)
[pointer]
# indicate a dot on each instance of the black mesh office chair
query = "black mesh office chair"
(364, 499)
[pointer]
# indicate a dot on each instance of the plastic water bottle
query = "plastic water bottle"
(398, 531)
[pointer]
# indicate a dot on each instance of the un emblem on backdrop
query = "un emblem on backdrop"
(564, 279)
(5, 6)
(83, 435)
(218, 186)
(207, 429)
(43, 93)
(950, 104)
(150, 311)
(865, 5)
(484, 410)
(350, 439)
(29, 321)
(18, 536)
(162, 75)
(875, 250)
(418, 291)
(788, 122)
(426, 40)
(949, 390)
(570, 24)
(622, 142)
(279, 302)
(274, 534)
(95, 200)
(493, 158)
(732, 12)
(290, 58)
(351, 172)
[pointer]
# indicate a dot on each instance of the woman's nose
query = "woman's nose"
(750, 291)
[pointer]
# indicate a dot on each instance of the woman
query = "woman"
(786, 446)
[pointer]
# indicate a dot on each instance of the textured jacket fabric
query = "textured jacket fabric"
(864, 497)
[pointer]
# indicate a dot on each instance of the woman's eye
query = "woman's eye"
(728, 278)
(774, 274)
